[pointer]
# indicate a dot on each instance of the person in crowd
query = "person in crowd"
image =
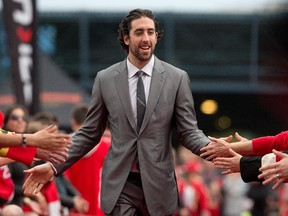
(16, 120)
(78, 116)
(27, 155)
(50, 146)
(46, 139)
(143, 99)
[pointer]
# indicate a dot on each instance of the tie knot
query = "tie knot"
(140, 73)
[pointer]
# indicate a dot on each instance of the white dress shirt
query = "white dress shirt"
(133, 78)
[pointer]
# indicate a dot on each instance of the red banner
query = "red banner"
(20, 23)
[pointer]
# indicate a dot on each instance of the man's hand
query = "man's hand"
(56, 157)
(216, 148)
(38, 176)
(228, 164)
(275, 173)
(48, 139)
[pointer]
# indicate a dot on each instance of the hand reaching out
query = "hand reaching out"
(217, 148)
(228, 164)
(38, 176)
(56, 156)
(277, 172)
(48, 139)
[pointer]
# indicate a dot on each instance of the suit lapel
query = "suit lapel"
(157, 83)
(122, 85)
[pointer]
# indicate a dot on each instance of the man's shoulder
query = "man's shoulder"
(113, 68)
(171, 69)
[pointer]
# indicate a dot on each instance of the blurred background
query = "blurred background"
(235, 52)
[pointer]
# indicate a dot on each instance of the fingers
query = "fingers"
(272, 178)
(212, 139)
(240, 138)
(279, 154)
(268, 167)
(29, 170)
(207, 156)
(51, 128)
(62, 140)
(57, 159)
(269, 174)
(63, 152)
(29, 186)
(277, 184)
(206, 151)
(224, 166)
(226, 172)
(228, 139)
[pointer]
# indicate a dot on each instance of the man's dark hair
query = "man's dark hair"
(125, 25)
(46, 118)
(79, 113)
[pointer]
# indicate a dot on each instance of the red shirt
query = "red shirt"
(85, 175)
(264, 145)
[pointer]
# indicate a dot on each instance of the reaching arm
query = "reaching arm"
(220, 148)
(46, 139)
(275, 172)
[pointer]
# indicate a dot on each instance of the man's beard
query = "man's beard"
(140, 57)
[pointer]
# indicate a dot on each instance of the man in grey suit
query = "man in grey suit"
(138, 175)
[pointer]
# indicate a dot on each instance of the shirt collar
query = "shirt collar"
(147, 69)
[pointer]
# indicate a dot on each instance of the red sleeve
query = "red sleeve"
(23, 155)
(264, 145)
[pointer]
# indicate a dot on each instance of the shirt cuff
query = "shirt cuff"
(53, 167)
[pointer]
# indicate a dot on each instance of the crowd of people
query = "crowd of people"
(203, 189)
(122, 162)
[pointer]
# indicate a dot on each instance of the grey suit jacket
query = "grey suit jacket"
(170, 104)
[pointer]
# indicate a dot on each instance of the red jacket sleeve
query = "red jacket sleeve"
(264, 145)
(23, 155)
(20, 154)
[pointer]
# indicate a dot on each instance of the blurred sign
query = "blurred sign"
(20, 23)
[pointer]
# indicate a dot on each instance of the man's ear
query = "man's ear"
(126, 39)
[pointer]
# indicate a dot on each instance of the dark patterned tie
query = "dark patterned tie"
(141, 101)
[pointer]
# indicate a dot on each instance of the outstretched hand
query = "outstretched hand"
(277, 172)
(228, 164)
(56, 156)
(217, 148)
(48, 139)
(38, 176)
